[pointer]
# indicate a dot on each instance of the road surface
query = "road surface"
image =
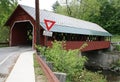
(8, 56)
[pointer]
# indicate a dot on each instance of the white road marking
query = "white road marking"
(5, 59)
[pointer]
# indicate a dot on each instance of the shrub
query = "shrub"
(118, 47)
(116, 64)
(88, 76)
(41, 49)
(70, 62)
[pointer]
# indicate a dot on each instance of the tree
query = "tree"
(55, 5)
(6, 7)
(110, 16)
(81, 9)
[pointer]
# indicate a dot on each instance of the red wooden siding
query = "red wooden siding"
(93, 45)
(19, 15)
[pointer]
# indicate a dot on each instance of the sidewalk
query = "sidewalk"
(23, 70)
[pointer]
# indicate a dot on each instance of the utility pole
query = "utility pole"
(37, 22)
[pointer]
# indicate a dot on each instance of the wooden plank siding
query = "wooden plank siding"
(20, 15)
(92, 45)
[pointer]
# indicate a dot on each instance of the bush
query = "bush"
(116, 64)
(70, 62)
(88, 76)
(4, 34)
(41, 49)
(118, 47)
(116, 38)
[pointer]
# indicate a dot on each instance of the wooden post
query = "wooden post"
(37, 22)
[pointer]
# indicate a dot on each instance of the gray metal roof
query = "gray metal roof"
(67, 24)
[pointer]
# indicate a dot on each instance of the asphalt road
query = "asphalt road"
(8, 56)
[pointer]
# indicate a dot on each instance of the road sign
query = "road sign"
(49, 24)
(47, 33)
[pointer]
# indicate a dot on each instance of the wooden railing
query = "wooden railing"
(92, 45)
(48, 73)
(4, 44)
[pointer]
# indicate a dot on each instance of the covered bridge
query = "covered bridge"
(74, 31)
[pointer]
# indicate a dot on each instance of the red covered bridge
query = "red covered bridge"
(74, 31)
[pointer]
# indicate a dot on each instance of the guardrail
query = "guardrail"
(48, 73)
(115, 43)
(4, 43)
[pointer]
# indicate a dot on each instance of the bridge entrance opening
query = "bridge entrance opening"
(22, 34)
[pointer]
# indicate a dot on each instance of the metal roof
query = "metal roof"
(67, 24)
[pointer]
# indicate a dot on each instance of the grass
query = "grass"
(39, 74)
(115, 38)
(38, 70)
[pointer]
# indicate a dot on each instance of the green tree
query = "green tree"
(81, 9)
(6, 7)
(110, 16)
(55, 5)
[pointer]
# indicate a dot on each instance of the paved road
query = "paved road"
(8, 56)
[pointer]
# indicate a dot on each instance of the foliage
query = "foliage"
(103, 12)
(70, 62)
(35, 62)
(118, 47)
(87, 76)
(55, 5)
(65, 61)
(39, 74)
(110, 16)
(38, 70)
(6, 7)
(116, 38)
(116, 65)
(4, 32)
(41, 49)
(81, 9)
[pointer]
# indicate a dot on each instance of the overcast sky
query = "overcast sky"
(44, 4)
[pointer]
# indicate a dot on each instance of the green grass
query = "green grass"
(38, 70)
(39, 74)
(115, 38)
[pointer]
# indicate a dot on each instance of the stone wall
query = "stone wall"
(101, 59)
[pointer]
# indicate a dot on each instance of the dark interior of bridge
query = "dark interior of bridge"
(22, 34)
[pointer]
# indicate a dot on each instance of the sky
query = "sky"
(44, 4)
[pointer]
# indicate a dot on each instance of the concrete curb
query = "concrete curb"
(23, 70)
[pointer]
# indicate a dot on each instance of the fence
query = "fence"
(115, 43)
(3, 44)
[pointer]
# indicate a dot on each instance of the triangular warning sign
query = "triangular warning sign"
(49, 24)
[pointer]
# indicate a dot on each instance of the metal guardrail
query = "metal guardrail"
(48, 73)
